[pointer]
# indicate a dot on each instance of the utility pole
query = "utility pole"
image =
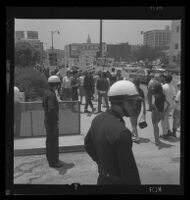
(52, 32)
(101, 38)
(52, 40)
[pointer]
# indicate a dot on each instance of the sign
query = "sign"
(32, 35)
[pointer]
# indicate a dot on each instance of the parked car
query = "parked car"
(141, 74)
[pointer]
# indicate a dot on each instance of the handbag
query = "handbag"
(142, 122)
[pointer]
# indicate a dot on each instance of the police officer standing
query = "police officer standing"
(108, 141)
(51, 119)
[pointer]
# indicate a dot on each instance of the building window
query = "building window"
(177, 29)
(176, 46)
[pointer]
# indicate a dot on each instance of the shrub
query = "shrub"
(31, 82)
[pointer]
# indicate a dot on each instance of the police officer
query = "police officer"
(109, 142)
(51, 119)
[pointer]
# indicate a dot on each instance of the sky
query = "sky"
(76, 31)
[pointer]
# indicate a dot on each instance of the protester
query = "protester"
(96, 77)
(17, 111)
(102, 87)
(170, 93)
(51, 120)
(158, 110)
(134, 119)
(66, 87)
(58, 73)
(74, 86)
(88, 88)
(176, 114)
(153, 81)
(81, 86)
(112, 77)
(108, 141)
(118, 75)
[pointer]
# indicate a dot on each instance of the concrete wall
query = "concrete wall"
(32, 119)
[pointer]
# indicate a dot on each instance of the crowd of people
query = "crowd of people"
(108, 141)
(77, 85)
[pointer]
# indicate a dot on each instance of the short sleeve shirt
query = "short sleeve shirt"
(16, 94)
(169, 92)
(178, 101)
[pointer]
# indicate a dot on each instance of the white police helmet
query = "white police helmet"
(178, 83)
(54, 79)
(121, 89)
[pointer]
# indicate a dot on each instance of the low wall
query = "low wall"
(32, 119)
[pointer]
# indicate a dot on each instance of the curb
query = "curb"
(39, 151)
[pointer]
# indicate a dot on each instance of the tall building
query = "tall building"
(175, 44)
(157, 38)
(19, 35)
(32, 35)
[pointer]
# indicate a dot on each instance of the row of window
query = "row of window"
(87, 47)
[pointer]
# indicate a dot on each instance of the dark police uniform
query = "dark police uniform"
(109, 144)
(51, 119)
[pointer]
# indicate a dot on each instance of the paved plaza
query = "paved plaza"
(157, 165)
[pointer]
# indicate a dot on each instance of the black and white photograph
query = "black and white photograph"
(97, 102)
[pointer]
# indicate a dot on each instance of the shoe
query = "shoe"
(86, 111)
(171, 134)
(164, 136)
(157, 142)
(58, 165)
(136, 139)
(93, 109)
(99, 112)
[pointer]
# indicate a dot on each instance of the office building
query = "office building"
(157, 38)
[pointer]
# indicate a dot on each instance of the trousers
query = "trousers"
(165, 121)
(88, 95)
(105, 96)
(52, 143)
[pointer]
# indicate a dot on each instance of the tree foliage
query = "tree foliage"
(31, 82)
(26, 54)
(147, 52)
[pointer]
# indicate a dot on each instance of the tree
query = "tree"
(147, 52)
(26, 54)
(31, 82)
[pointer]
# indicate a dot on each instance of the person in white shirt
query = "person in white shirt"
(169, 91)
(176, 114)
(66, 86)
(17, 111)
(81, 86)
(150, 87)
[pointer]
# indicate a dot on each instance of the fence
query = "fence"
(32, 119)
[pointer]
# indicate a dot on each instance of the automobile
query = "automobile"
(142, 74)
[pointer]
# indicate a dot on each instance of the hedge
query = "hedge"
(31, 82)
